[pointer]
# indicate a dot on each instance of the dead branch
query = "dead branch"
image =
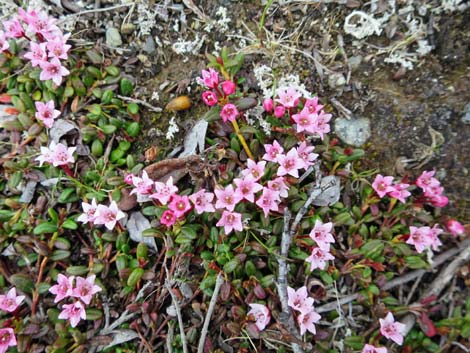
(184, 341)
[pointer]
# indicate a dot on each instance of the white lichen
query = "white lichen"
(265, 78)
(172, 129)
(361, 25)
(189, 46)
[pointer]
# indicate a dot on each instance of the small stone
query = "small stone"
(336, 80)
(354, 132)
(113, 37)
(466, 115)
(354, 62)
(149, 45)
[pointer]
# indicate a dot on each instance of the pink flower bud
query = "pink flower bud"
(209, 98)
(439, 201)
(455, 228)
(128, 179)
(279, 111)
(268, 105)
(228, 87)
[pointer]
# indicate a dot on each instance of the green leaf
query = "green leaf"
(93, 314)
(45, 227)
(232, 265)
(68, 195)
(70, 224)
(133, 108)
(77, 270)
(58, 255)
(23, 282)
(135, 277)
(126, 87)
(373, 248)
(415, 262)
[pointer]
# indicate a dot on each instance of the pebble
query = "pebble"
(113, 37)
(466, 114)
(354, 132)
(336, 80)
(354, 62)
(149, 45)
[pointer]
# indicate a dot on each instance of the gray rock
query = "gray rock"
(113, 37)
(336, 80)
(466, 114)
(331, 186)
(354, 62)
(149, 45)
(353, 132)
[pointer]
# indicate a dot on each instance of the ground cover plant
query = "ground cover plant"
(261, 235)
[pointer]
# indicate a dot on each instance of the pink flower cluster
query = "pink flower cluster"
(56, 154)
(321, 234)
(303, 304)
(384, 185)
(83, 291)
(392, 329)
(310, 119)
(424, 238)
(432, 189)
(218, 93)
(101, 214)
(261, 314)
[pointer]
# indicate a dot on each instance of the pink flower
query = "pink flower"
(455, 228)
(305, 121)
(272, 151)
(229, 112)
(420, 238)
(383, 185)
(368, 348)
(426, 180)
(288, 97)
(89, 212)
(299, 299)
(56, 154)
(306, 154)
(247, 188)
(321, 124)
(230, 221)
(57, 47)
(321, 234)
(46, 113)
(261, 315)
(434, 237)
(312, 106)
(143, 186)
(392, 329)
(73, 312)
(254, 170)
(7, 339)
(45, 155)
(268, 105)
(210, 78)
(307, 321)
(164, 191)
(279, 111)
(108, 216)
(85, 288)
(400, 192)
(228, 87)
(10, 302)
(13, 28)
(289, 163)
(63, 288)
(268, 201)
(209, 98)
(318, 258)
(168, 218)
(128, 179)
(38, 53)
(439, 201)
(227, 198)
(279, 185)
(202, 201)
(53, 70)
(27, 16)
(42, 25)
(179, 205)
(4, 45)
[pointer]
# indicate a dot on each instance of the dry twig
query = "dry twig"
(184, 341)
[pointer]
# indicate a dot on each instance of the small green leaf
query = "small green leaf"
(58, 255)
(126, 87)
(77, 270)
(45, 227)
(23, 282)
(135, 277)
(132, 108)
(415, 262)
(70, 224)
(232, 265)
(93, 314)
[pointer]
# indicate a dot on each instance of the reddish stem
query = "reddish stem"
(67, 170)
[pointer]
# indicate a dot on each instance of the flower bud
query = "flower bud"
(279, 111)
(228, 87)
(455, 228)
(268, 105)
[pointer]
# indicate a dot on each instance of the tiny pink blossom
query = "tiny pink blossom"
(439, 201)
(168, 218)
(45, 156)
(420, 238)
(268, 105)
(85, 288)
(455, 227)
(254, 170)
(305, 153)
(228, 87)
(210, 78)
(368, 348)
(400, 192)
(279, 111)
(202, 201)
(279, 185)
(288, 97)
(229, 112)
(128, 179)
(89, 212)
(434, 237)
(27, 16)
(426, 180)
(261, 315)
(392, 329)
(318, 258)
(305, 121)
(289, 163)
(53, 70)
(227, 198)
(38, 53)
(164, 191)
(56, 154)
(58, 48)
(268, 201)
(209, 98)
(42, 25)
(13, 28)
(312, 106)
(7, 339)
(307, 321)
(108, 216)
(4, 45)
(143, 186)
(179, 205)
(299, 299)
(10, 302)
(73, 312)
(383, 185)
(434, 191)
(230, 221)
(321, 124)
(272, 151)
(321, 234)
(247, 188)
(63, 288)
(46, 112)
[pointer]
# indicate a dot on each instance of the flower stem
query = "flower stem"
(242, 139)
